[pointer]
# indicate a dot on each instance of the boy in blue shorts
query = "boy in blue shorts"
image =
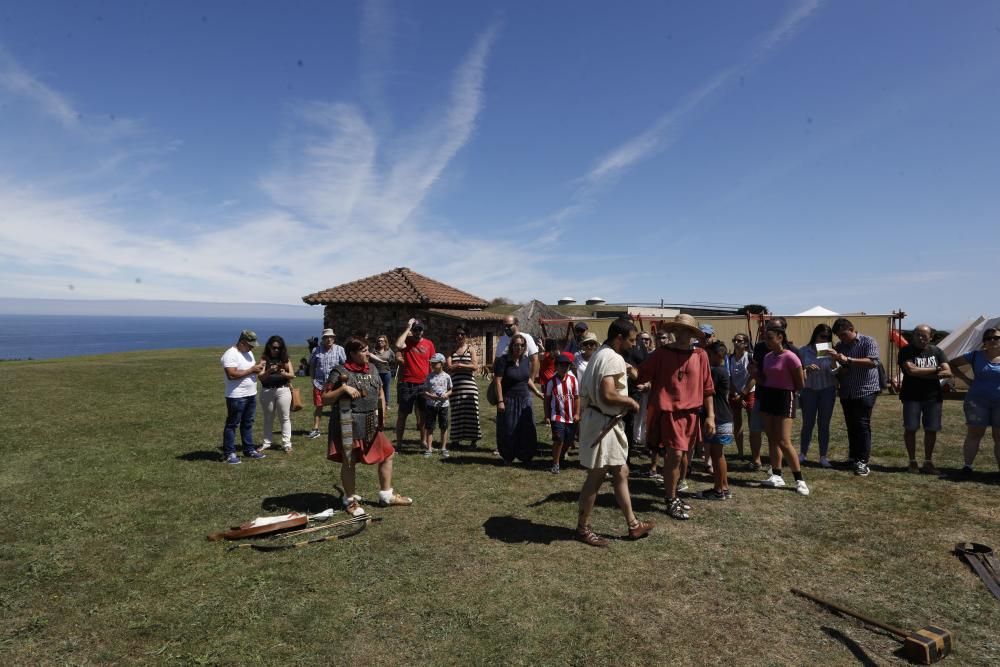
(562, 408)
(723, 423)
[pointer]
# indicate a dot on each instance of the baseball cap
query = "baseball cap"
(437, 358)
(249, 337)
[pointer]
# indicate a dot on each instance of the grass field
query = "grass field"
(111, 480)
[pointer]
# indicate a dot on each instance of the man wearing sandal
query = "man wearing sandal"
(357, 435)
(603, 444)
(682, 388)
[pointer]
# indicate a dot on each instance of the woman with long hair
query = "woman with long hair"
(384, 359)
(740, 397)
(516, 435)
(462, 366)
(782, 373)
(356, 430)
(818, 395)
(276, 391)
(982, 403)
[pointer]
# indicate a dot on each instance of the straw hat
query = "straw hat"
(683, 322)
(589, 337)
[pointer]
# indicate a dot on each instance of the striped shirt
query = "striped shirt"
(857, 381)
(562, 391)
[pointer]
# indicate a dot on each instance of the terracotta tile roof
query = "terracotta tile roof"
(470, 315)
(402, 286)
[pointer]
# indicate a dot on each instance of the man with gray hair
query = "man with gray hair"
(923, 366)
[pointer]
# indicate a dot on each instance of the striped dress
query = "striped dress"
(464, 401)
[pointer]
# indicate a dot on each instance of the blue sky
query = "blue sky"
(786, 153)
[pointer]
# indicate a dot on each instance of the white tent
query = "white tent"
(968, 336)
(816, 311)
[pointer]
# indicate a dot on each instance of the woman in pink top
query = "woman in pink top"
(782, 378)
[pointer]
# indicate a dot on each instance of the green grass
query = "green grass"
(110, 482)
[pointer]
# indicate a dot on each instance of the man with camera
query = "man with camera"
(416, 352)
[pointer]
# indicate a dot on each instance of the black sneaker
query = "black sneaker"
(861, 469)
(713, 494)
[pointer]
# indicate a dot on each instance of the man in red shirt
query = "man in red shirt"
(416, 352)
(681, 386)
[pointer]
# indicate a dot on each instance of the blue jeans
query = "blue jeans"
(386, 381)
(816, 402)
(239, 412)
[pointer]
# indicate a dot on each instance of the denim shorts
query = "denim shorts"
(723, 435)
(410, 396)
(929, 410)
(437, 414)
(981, 411)
(563, 432)
(756, 418)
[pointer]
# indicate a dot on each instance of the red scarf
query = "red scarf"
(356, 368)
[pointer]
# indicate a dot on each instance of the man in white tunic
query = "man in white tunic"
(603, 445)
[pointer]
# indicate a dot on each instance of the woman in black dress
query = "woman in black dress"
(516, 436)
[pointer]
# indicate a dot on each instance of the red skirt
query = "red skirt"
(376, 451)
(678, 430)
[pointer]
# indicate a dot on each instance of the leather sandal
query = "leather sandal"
(396, 501)
(639, 529)
(587, 536)
(675, 510)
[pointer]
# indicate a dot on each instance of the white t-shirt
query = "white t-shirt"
(245, 386)
(528, 341)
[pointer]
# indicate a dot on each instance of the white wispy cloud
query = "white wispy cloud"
(17, 82)
(666, 128)
(346, 203)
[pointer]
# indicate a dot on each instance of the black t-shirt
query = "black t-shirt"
(917, 388)
(514, 379)
(720, 377)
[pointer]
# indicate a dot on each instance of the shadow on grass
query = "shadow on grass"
(979, 477)
(211, 455)
(606, 498)
(483, 460)
(855, 648)
(513, 530)
(306, 502)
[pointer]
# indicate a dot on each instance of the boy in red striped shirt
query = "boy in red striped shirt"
(562, 408)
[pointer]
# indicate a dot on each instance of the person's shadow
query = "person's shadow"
(203, 455)
(307, 502)
(855, 648)
(514, 530)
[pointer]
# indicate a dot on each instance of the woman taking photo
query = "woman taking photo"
(516, 436)
(276, 391)
(384, 360)
(356, 434)
(819, 394)
(462, 366)
(782, 378)
(982, 403)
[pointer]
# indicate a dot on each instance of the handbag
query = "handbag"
(296, 399)
(491, 394)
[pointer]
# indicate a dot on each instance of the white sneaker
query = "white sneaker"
(682, 485)
(773, 482)
(264, 445)
(801, 488)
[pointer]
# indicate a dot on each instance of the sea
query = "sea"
(53, 336)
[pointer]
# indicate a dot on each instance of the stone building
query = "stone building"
(382, 304)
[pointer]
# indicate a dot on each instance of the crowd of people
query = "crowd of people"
(683, 397)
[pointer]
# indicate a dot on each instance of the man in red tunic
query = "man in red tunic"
(681, 387)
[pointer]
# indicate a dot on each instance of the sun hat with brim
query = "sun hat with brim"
(683, 322)
(589, 337)
(328, 332)
(249, 337)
